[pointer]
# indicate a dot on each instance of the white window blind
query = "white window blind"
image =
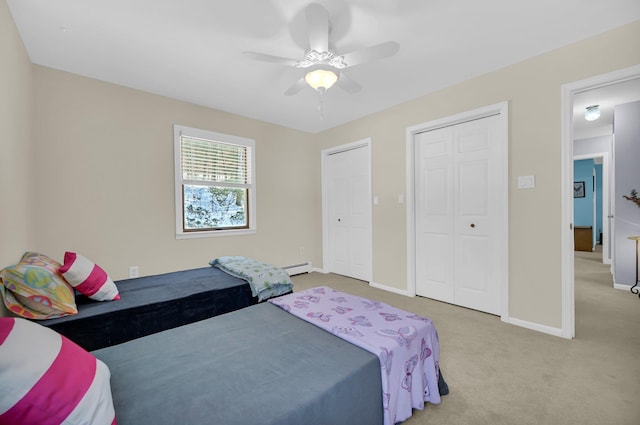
(215, 162)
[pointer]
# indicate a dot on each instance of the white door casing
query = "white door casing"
(567, 92)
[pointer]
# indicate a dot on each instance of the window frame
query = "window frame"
(178, 132)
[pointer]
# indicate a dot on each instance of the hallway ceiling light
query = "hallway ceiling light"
(592, 113)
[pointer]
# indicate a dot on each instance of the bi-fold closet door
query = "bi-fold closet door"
(348, 177)
(459, 214)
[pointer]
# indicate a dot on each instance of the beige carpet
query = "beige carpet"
(503, 374)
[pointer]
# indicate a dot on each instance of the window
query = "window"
(215, 188)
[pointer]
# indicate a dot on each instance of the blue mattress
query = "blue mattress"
(255, 366)
(152, 304)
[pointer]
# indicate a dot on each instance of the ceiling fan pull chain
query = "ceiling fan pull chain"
(320, 106)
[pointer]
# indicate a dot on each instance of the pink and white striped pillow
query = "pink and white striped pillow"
(88, 278)
(49, 380)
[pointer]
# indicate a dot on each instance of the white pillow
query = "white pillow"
(88, 278)
(47, 379)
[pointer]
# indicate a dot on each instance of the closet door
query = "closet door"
(350, 212)
(476, 218)
(434, 195)
(458, 214)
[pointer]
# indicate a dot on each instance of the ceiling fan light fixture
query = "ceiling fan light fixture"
(323, 67)
(304, 64)
(592, 113)
(321, 79)
(315, 56)
(338, 62)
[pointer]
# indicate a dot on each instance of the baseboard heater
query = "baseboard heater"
(298, 268)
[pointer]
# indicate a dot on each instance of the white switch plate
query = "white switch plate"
(526, 182)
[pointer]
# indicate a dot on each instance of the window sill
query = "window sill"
(215, 233)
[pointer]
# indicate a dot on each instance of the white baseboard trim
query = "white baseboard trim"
(298, 268)
(623, 287)
(390, 289)
(534, 326)
(372, 284)
(510, 320)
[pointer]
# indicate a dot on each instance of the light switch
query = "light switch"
(526, 182)
(401, 198)
(375, 200)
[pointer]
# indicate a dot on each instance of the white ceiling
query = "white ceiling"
(191, 50)
(606, 98)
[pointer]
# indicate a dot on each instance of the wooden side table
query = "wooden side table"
(583, 238)
(634, 288)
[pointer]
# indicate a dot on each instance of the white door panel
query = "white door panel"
(350, 212)
(434, 223)
(472, 197)
(473, 255)
(359, 254)
(435, 267)
(339, 218)
(457, 200)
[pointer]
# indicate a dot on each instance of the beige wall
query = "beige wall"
(16, 145)
(17, 165)
(100, 180)
(105, 176)
(532, 88)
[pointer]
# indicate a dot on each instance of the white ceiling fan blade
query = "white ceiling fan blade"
(318, 24)
(270, 58)
(379, 51)
(348, 85)
(296, 87)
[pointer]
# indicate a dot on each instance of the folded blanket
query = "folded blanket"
(265, 280)
(406, 344)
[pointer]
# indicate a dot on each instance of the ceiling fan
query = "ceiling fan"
(324, 66)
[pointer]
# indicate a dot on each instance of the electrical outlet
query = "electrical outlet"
(134, 271)
(302, 250)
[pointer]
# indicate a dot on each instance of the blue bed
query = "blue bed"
(266, 365)
(152, 304)
(255, 366)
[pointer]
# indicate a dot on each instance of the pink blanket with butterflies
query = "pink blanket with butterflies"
(406, 344)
